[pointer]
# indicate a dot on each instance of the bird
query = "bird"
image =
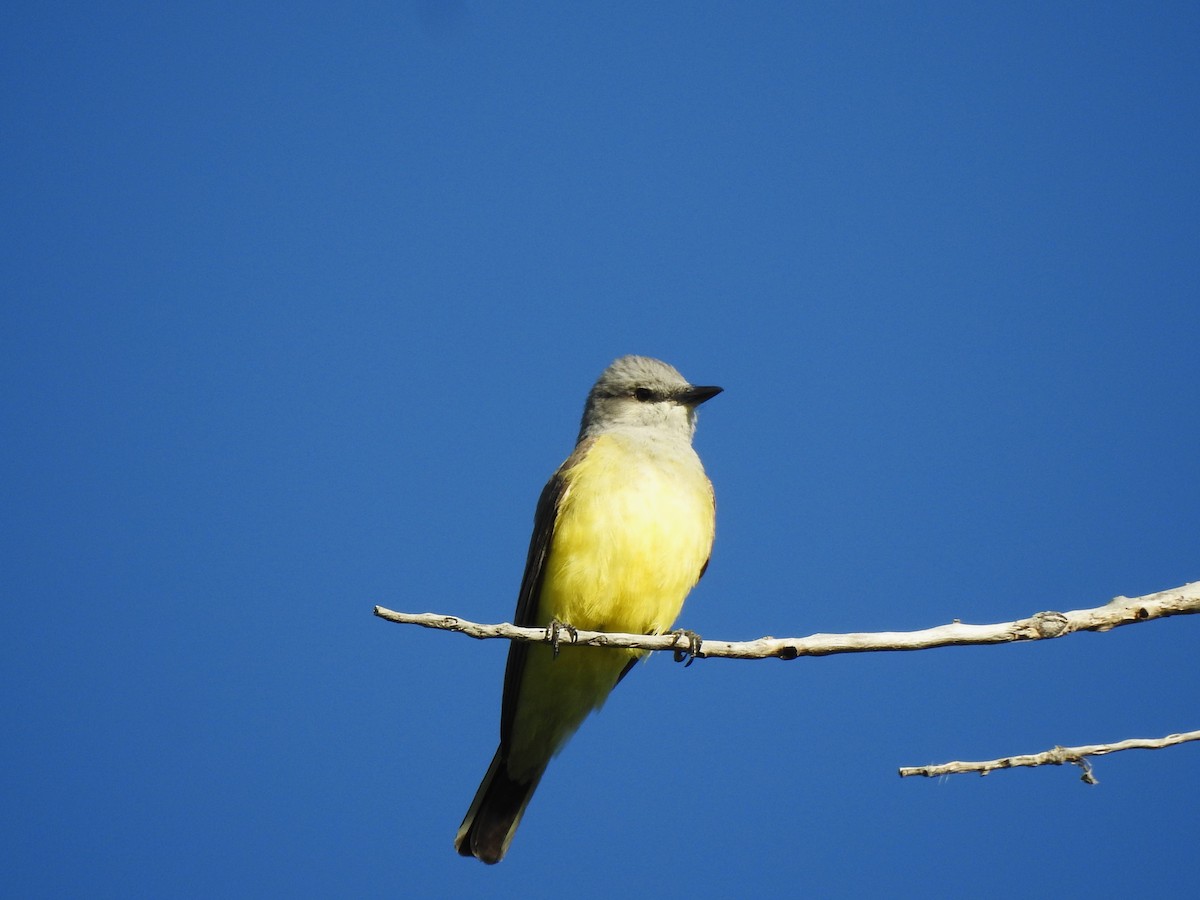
(622, 532)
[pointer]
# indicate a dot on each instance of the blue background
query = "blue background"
(300, 307)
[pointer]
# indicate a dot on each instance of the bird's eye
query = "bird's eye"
(643, 395)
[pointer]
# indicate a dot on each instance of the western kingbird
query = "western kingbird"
(622, 532)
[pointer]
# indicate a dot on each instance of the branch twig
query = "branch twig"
(1120, 611)
(1053, 757)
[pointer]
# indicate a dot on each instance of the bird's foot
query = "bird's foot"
(693, 646)
(555, 629)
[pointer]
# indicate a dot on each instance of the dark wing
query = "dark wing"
(531, 584)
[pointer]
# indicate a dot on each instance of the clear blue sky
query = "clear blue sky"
(301, 305)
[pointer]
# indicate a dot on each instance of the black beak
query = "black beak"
(694, 395)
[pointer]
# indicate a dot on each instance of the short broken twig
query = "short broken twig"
(1056, 756)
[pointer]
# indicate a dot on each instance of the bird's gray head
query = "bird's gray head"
(639, 392)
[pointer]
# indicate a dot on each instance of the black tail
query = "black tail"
(495, 812)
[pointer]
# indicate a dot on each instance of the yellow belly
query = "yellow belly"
(632, 535)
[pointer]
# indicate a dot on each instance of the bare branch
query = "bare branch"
(1053, 757)
(1178, 601)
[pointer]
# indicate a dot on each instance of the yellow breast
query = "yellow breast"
(634, 529)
